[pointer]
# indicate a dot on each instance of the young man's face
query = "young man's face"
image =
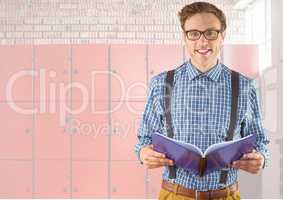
(203, 52)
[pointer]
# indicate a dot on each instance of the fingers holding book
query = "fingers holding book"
(153, 159)
(250, 162)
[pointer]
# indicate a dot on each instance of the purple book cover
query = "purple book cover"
(189, 156)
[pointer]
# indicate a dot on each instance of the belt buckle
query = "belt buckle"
(222, 185)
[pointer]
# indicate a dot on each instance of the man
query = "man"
(201, 110)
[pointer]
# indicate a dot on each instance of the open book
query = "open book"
(190, 157)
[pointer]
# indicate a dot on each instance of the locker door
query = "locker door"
(16, 179)
(53, 68)
(90, 179)
(52, 178)
(90, 71)
(127, 180)
(164, 57)
(52, 135)
(125, 120)
(128, 72)
(154, 178)
(16, 72)
(16, 131)
(90, 132)
(242, 58)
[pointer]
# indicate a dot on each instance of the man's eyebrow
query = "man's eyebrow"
(192, 30)
(208, 29)
(213, 28)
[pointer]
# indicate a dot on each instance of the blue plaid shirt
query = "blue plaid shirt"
(201, 104)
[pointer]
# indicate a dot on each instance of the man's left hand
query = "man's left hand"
(250, 162)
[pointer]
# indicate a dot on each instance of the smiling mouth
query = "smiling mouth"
(203, 51)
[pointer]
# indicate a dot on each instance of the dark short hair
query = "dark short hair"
(201, 7)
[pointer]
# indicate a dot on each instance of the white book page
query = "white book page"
(222, 144)
(191, 147)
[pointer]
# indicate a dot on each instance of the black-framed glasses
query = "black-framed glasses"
(210, 34)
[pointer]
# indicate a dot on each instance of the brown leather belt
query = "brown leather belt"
(210, 194)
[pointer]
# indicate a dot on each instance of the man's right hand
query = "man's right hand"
(153, 159)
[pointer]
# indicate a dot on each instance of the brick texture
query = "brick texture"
(108, 21)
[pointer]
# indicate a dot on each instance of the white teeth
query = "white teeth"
(203, 51)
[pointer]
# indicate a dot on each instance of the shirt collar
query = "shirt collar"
(213, 73)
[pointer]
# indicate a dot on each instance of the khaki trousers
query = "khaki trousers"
(166, 195)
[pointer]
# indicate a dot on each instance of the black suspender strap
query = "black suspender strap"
(169, 128)
(234, 105)
(233, 117)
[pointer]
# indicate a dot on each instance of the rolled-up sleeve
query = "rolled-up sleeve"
(253, 122)
(152, 120)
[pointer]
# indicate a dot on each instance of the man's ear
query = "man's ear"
(184, 37)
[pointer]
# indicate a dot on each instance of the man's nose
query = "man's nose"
(202, 39)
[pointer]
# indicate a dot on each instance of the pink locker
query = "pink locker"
(90, 65)
(154, 177)
(90, 179)
(164, 57)
(52, 179)
(16, 179)
(128, 72)
(16, 130)
(90, 132)
(242, 58)
(53, 68)
(16, 74)
(125, 120)
(127, 180)
(52, 135)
